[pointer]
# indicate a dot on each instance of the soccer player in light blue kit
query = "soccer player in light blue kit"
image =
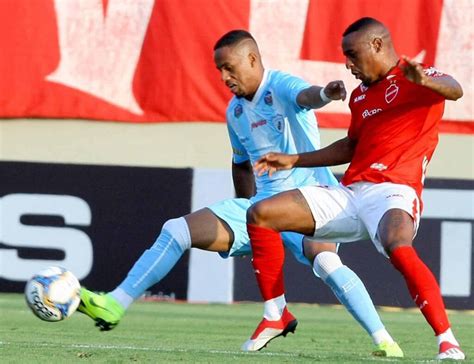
(270, 111)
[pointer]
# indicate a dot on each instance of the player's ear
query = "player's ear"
(377, 44)
(252, 58)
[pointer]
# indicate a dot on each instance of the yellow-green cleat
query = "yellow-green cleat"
(102, 308)
(389, 350)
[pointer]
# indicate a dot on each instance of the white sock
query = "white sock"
(381, 336)
(273, 308)
(122, 297)
(447, 336)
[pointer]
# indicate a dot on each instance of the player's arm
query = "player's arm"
(244, 179)
(339, 152)
(315, 97)
(444, 85)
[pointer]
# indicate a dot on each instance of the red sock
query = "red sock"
(268, 258)
(422, 286)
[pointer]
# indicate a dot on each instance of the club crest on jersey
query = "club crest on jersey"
(279, 122)
(238, 110)
(268, 98)
(391, 92)
(363, 88)
(378, 166)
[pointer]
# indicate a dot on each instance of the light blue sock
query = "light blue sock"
(352, 293)
(156, 262)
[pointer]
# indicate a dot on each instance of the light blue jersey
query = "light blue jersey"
(271, 122)
(274, 122)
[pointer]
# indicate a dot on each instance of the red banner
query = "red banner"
(151, 61)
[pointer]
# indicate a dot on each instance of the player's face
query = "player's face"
(360, 57)
(237, 71)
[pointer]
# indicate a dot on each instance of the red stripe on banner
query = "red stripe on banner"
(342, 121)
(411, 34)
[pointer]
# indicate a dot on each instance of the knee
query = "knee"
(179, 231)
(312, 248)
(259, 214)
(396, 229)
(392, 243)
(325, 263)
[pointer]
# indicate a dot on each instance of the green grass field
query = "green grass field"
(160, 332)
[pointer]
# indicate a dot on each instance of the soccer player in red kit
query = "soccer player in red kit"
(395, 112)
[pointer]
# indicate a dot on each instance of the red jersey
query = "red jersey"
(395, 125)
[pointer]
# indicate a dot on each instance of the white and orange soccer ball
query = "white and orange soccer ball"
(53, 294)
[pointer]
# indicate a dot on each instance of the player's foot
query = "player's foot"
(102, 308)
(389, 350)
(450, 351)
(268, 330)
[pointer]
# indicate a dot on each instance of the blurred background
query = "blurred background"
(113, 122)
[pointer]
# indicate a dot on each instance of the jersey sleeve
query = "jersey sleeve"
(288, 87)
(425, 94)
(239, 154)
(431, 95)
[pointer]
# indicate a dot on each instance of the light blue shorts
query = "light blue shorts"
(234, 213)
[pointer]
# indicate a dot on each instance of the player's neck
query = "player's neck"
(388, 66)
(259, 81)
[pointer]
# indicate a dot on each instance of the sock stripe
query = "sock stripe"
(154, 264)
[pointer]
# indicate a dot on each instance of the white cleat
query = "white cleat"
(269, 330)
(450, 351)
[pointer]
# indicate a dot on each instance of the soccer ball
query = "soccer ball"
(53, 294)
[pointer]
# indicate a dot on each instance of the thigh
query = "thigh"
(390, 212)
(208, 232)
(232, 213)
(285, 211)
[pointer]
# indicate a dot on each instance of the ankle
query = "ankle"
(273, 308)
(447, 336)
(121, 297)
(381, 336)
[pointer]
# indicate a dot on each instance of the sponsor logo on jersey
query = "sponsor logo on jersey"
(395, 195)
(391, 93)
(237, 152)
(372, 112)
(359, 98)
(259, 123)
(268, 98)
(378, 166)
(238, 110)
(278, 122)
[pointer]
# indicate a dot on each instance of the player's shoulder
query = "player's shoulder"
(276, 76)
(428, 69)
(282, 82)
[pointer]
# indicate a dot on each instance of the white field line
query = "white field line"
(139, 348)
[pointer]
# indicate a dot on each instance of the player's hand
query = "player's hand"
(335, 90)
(414, 71)
(273, 162)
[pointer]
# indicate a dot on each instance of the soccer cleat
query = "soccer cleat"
(450, 351)
(268, 330)
(102, 308)
(389, 350)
